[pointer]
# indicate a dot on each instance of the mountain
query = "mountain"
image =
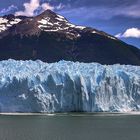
(34, 86)
(51, 37)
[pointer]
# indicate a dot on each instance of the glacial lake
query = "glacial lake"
(70, 127)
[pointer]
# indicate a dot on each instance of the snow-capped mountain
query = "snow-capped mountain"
(51, 37)
(48, 21)
(35, 86)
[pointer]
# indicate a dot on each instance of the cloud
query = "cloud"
(46, 6)
(29, 8)
(130, 11)
(60, 6)
(32, 6)
(131, 32)
(8, 10)
(102, 10)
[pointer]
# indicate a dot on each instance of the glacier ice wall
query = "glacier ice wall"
(34, 86)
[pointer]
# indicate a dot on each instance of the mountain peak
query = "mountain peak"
(48, 21)
(47, 13)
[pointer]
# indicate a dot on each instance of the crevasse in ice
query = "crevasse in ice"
(34, 86)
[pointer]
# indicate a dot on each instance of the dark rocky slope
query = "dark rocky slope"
(51, 37)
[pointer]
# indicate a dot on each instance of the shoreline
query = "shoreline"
(73, 114)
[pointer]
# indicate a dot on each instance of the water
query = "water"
(70, 127)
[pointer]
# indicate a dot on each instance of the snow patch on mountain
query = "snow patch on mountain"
(35, 86)
(5, 23)
(59, 23)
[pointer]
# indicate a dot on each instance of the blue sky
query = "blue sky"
(116, 17)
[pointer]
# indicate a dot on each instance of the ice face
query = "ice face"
(34, 86)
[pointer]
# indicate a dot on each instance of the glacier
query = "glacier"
(35, 86)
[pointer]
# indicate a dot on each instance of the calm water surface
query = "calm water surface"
(70, 127)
